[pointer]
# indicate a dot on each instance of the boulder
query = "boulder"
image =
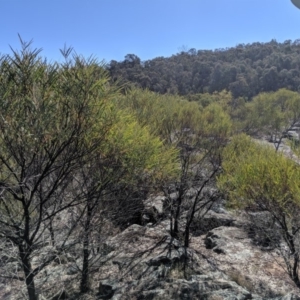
(155, 203)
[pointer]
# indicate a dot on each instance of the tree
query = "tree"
(199, 135)
(200, 164)
(65, 146)
(258, 177)
(48, 113)
(132, 159)
(245, 70)
(274, 114)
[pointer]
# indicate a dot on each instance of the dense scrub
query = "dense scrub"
(79, 157)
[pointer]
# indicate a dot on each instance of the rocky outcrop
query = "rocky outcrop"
(145, 262)
(224, 264)
(234, 253)
(197, 287)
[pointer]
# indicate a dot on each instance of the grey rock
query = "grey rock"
(155, 203)
(214, 242)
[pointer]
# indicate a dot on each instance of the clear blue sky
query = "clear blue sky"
(110, 29)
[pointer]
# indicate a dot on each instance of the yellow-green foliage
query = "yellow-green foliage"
(224, 98)
(255, 174)
(58, 117)
(215, 122)
(139, 151)
(46, 108)
(273, 112)
(165, 115)
(179, 122)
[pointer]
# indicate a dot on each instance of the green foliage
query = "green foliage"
(167, 115)
(254, 174)
(64, 140)
(258, 177)
(138, 151)
(180, 122)
(245, 70)
(215, 122)
(273, 113)
(205, 99)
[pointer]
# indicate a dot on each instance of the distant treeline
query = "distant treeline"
(244, 70)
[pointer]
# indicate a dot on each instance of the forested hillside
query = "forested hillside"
(244, 70)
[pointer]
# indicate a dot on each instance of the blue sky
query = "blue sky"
(110, 29)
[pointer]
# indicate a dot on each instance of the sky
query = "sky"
(110, 29)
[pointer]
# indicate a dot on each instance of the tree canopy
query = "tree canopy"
(244, 70)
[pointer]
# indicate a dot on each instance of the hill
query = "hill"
(245, 70)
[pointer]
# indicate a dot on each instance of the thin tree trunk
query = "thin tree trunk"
(188, 224)
(177, 215)
(84, 285)
(51, 233)
(29, 277)
(295, 275)
(293, 271)
(187, 236)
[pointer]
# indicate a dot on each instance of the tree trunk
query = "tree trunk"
(84, 285)
(293, 270)
(29, 277)
(187, 236)
(177, 215)
(295, 275)
(51, 233)
(176, 221)
(189, 220)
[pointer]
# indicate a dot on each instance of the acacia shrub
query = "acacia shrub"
(256, 175)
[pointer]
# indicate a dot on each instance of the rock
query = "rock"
(223, 238)
(235, 254)
(7, 258)
(155, 203)
(191, 193)
(159, 267)
(214, 242)
(291, 134)
(173, 196)
(210, 221)
(144, 262)
(199, 287)
(13, 266)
